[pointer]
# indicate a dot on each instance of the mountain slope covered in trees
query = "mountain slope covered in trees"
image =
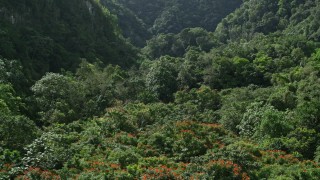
(291, 17)
(50, 35)
(203, 99)
(167, 16)
(133, 28)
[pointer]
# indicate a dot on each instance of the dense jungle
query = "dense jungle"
(160, 89)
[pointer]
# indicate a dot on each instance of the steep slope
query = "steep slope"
(298, 17)
(240, 103)
(172, 16)
(132, 27)
(53, 34)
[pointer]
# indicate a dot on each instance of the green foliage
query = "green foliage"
(16, 131)
(264, 122)
(273, 123)
(204, 98)
(161, 80)
(123, 157)
(50, 35)
(133, 28)
(173, 16)
(65, 98)
(305, 170)
(59, 98)
(9, 102)
(101, 86)
(7, 156)
(11, 72)
(219, 169)
(50, 151)
(238, 103)
(307, 108)
(303, 141)
(283, 98)
(317, 155)
(235, 103)
(199, 104)
(119, 121)
(254, 17)
(178, 44)
(13, 126)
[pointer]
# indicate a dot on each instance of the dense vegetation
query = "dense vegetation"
(210, 98)
(50, 35)
(140, 19)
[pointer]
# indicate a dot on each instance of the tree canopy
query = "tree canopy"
(159, 89)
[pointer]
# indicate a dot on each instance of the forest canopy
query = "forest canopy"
(159, 89)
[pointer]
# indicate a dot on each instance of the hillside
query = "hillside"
(214, 90)
(143, 18)
(50, 35)
(290, 17)
(132, 27)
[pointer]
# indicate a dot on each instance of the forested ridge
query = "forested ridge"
(47, 35)
(140, 19)
(136, 89)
